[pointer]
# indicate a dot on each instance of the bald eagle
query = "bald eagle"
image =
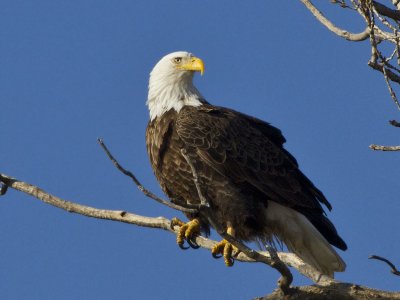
(254, 186)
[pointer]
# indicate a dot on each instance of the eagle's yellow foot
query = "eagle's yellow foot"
(186, 232)
(226, 249)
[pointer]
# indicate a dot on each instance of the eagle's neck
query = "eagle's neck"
(171, 92)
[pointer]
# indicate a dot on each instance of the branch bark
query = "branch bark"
(384, 148)
(340, 290)
(386, 11)
(376, 17)
(394, 123)
(393, 268)
(381, 67)
(159, 222)
(327, 288)
(354, 37)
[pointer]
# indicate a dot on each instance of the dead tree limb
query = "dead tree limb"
(384, 148)
(382, 30)
(340, 290)
(151, 222)
(327, 288)
(277, 260)
(354, 37)
(394, 123)
(393, 268)
(386, 11)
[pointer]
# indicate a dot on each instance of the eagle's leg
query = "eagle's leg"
(186, 232)
(226, 249)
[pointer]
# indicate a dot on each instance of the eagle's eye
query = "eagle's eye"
(177, 60)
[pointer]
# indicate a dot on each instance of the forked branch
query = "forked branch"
(383, 31)
(354, 37)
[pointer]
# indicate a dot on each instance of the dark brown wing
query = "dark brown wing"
(249, 151)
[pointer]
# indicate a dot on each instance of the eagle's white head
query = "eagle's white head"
(171, 83)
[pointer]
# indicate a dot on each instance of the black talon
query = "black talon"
(215, 255)
(3, 189)
(192, 244)
(232, 262)
(183, 247)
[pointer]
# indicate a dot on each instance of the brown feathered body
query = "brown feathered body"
(242, 166)
(251, 182)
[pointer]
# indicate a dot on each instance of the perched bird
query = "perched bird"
(253, 186)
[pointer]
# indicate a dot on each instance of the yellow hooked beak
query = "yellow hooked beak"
(193, 64)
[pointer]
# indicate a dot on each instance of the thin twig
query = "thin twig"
(391, 91)
(384, 148)
(203, 200)
(141, 187)
(394, 123)
(380, 66)
(392, 266)
(391, 56)
(388, 65)
(383, 20)
(342, 4)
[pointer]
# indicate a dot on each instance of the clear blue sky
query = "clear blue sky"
(72, 71)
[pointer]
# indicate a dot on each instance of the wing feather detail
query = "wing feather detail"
(248, 150)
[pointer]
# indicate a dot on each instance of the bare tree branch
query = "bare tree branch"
(145, 191)
(392, 266)
(114, 215)
(382, 27)
(394, 123)
(159, 222)
(326, 285)
(380, 67)
(277, 259)
(391, 91)
(203, 200)
(386, 11)
(372, 30)
(384, 148)
(336, 291)
(396, 3)
(354, 37)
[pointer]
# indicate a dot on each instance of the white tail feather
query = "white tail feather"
(302, 238)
